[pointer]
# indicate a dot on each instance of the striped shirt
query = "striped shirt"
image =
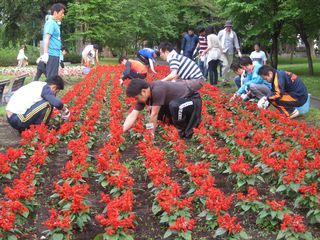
(187, 69)
(203, 44)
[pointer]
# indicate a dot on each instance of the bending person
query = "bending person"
(147, 56)
(133, 69)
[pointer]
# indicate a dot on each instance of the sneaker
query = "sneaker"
(294, 114)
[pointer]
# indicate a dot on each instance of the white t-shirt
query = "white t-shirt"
(258, 57)
(89, 51)
(25, 97)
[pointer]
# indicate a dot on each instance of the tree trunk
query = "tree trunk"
(313, 52)
(304, 37)
(274, 51)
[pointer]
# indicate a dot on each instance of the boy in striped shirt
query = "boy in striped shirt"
(201, 47)
(182, 68)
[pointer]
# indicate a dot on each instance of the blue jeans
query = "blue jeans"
(237, 81)
(203, 68)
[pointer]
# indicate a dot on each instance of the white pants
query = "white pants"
(227, 60)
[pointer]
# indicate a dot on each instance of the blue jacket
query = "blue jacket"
(253, 78)
(189, 43)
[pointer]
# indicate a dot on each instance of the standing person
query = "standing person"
(52, 40)
(189, 43)
(202, 46)
(258, 56)
(133, 69)
(228, 40)
(182, 68)
(90, 55)
(288, 91)
(213, 57)
(32, 104)
(41, 68)
(171, 102)
(253, 85)
(147, 56)
(22, 58)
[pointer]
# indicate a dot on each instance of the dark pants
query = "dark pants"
(213, 71)
(188, 54)
(135, 75)
(52, 67)
(35, 115)
(41, 69)
(185, 114)
(237, 81)
(287, 104)
(143, 59)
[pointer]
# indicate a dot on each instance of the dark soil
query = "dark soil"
(9, 137)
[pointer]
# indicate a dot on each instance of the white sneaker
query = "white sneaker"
(295, 114)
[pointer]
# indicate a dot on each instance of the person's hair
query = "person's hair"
(56, 80)
(235, 66)
(135, 86)
(165, 46)
(202, 30)
(265, 69)
(57, 7)
(245, 61)
(96, 46)
(64, 49)
(257, 44)
(156, 52)
(122, 58)
(190, 29)
(23, 46)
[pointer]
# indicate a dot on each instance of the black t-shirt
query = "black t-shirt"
(162, 93)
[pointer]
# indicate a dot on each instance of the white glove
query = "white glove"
(121, 82)
(181, 52)
(65, 114)
(45, 58)
(239, 54)
(263, 103)
(244, 96)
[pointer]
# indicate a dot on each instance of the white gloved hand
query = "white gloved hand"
(121, 82)
(65, 114)
(45, 58)
(244, 96)
(239, 54)
(263, 103)
(181, 52)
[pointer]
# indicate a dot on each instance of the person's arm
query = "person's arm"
(130, 120)
(236, 42)
(126, 72)
(151, 65)
(264, 58)
(46, 43)
(154, 116)
(48, 95)
(97, 56)
(173, 75)
(183, 44)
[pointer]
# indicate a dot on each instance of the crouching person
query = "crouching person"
(170, 102)
(288, 91)
(32, 104)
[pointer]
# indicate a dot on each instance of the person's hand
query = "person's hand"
(233, 97)
(121, 82)
(65, 114)
(181, 52)
(263, 103)
(45, 58)
(239, 54)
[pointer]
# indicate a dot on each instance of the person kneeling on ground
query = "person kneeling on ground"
(254, 85)
(241, 74)
(170, 102)
(133, 69)
(288, 91)
(147, 56)
(182, 68)
(32, 104)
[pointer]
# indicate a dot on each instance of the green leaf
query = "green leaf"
(156, 209)
(281, 235)
(203, 213)
(244, 235)
(219, 232)
(167, 234)
(186, 235)
(57, 236)
(281, 188)
(12, 237)
(98, 237)
(104, 184)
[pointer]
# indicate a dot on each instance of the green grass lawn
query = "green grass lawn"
(300, 67)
